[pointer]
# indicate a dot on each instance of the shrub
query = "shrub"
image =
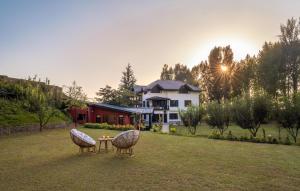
(287, 141)
(230, 136)
(216, 135)
(218, 115)
(289, 115)
(173, 130)
(108, 126)
(156, 128)
(192, 117)
(250, 112)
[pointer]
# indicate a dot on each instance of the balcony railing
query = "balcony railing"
(161, 107)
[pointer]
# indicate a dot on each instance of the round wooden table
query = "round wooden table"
(105, 141)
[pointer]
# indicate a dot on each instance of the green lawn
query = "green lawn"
(50, 161)
(270, 129)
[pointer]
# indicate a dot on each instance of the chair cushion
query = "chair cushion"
(82, 136)
(126, 139)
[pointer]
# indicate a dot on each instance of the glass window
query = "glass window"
(121, 120)
(174, 103)
(173, 115)
(187, 103)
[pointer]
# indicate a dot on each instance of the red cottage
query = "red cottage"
(102, 113)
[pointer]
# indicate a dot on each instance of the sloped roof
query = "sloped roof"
(138, 88)
(123, 109)
(171, 85)
(158, 98)
(112, 107)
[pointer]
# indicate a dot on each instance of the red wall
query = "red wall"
(74, 112)
(107, 115)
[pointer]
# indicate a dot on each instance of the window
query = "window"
(183, 90)
(174, 103)
(121, 119)
(81, 117)
(148, 104)
(173, 116)
(187, 103)
(143, 103)
(98, 119)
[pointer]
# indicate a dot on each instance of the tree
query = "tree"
(128, 79)
(166, 73)
(289, 115)
(250, 112)
(244, 79)
(182, 73)
(75, 96)
(270, 72)
(289, 39)
(108, 95)
(217, 73)
(40, 102)
(218, 115)
(192, 117)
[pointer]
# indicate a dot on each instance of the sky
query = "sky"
(91, 42)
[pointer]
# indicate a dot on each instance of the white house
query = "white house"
(164, 98)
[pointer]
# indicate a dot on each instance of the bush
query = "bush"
(250, 112)
(173, 130)
(289, 115)
(192, 117)
(156, 128)
(216, 135)
(287, 141)
(230, 136)
(218, 115)
(108, 126)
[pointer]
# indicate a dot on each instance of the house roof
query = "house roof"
(138, 88)
(168, 85)
(158, 98)
(112, 107)
(123, 109)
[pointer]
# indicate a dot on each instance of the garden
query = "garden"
(49, 160)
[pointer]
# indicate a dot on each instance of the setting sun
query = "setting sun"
(240, 46)
(223, 68)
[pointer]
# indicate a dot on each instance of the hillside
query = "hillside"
(13, 113)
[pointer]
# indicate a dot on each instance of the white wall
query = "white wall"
(174, 95)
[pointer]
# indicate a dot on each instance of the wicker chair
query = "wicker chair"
(82, 140)
(125, 141)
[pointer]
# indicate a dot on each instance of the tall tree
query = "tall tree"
(125, 91)
(245, 78)
(128, 79)
(182, 73)
(167, 73)
(289, 39)
(271, 73)
(217, 73)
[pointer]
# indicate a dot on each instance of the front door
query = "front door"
(98, 119)
(165, 118)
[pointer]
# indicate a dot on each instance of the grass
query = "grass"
(271, 129)
(12, 113)
(50, 161)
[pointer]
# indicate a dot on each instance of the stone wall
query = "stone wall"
(31, 128)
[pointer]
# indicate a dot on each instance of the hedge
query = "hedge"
(108, 126)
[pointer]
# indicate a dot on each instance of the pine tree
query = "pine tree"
(128, 79)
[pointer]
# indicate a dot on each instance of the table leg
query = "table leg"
(106, 148)
(99, 146)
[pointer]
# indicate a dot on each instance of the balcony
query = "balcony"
(161, 107)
